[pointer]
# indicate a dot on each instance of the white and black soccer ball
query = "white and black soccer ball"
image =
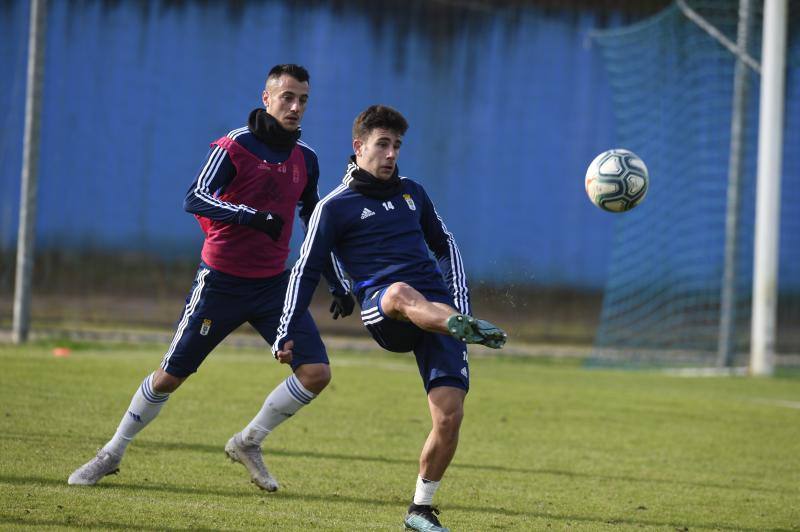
(617, 180)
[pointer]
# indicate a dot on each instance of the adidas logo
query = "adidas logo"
(366, 213)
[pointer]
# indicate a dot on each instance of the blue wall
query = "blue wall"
(506, 110)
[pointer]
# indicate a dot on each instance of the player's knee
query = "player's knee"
(398, 296)
(314, 377)
(163, 382)
(448, 423)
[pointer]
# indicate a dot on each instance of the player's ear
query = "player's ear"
(357, 144)
(265, 98)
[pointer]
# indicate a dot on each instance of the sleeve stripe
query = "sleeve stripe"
(348, 176)
(460, 290)
(339, 271)
(202, 191)
(301, 143)
(236, 132)
(290, 300)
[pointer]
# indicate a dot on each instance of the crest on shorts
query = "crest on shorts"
(205, 327)
(410, 202)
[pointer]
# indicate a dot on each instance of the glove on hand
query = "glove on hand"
(342, 305)
(268, 223)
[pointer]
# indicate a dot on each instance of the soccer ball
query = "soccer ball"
(617, 180)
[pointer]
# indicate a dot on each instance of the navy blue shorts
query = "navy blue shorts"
(219, 303)
(442, 360)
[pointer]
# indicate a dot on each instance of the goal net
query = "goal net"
(673, 86)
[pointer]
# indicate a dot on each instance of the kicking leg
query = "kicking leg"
(402, 302)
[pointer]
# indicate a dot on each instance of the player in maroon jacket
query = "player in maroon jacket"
(245, 198)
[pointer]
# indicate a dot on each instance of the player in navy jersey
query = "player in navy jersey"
(245, 198)
(383, 228)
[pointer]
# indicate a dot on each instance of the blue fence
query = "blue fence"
(506, 109)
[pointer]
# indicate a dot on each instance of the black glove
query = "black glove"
(268, 223)
(342, 305)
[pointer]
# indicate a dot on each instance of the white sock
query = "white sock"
(425, 491)
(144, 407)
(282, 403)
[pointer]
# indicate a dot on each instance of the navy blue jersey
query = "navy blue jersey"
(379, 242)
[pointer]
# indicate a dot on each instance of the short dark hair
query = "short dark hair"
(296, 71)
(379, 116)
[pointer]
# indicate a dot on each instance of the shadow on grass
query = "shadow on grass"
(105, 525)
(334, 498)
(218, 450)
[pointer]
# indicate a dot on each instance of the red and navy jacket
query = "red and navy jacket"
(240, 176)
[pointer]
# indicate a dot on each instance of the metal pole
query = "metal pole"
(30, 169)
(727, 316)
(770, 152)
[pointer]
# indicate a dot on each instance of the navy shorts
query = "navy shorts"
(219, 303)
(442, 360)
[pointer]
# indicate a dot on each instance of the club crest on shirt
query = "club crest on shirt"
(410, 202)
(205, 327)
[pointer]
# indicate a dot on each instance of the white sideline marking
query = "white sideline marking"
(706, 372)
(779, 402)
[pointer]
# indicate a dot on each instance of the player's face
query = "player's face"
(285, 98)
(378, 153)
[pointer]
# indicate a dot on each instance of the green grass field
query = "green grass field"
(545, 445)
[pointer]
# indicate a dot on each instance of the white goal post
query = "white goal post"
(770, 153)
